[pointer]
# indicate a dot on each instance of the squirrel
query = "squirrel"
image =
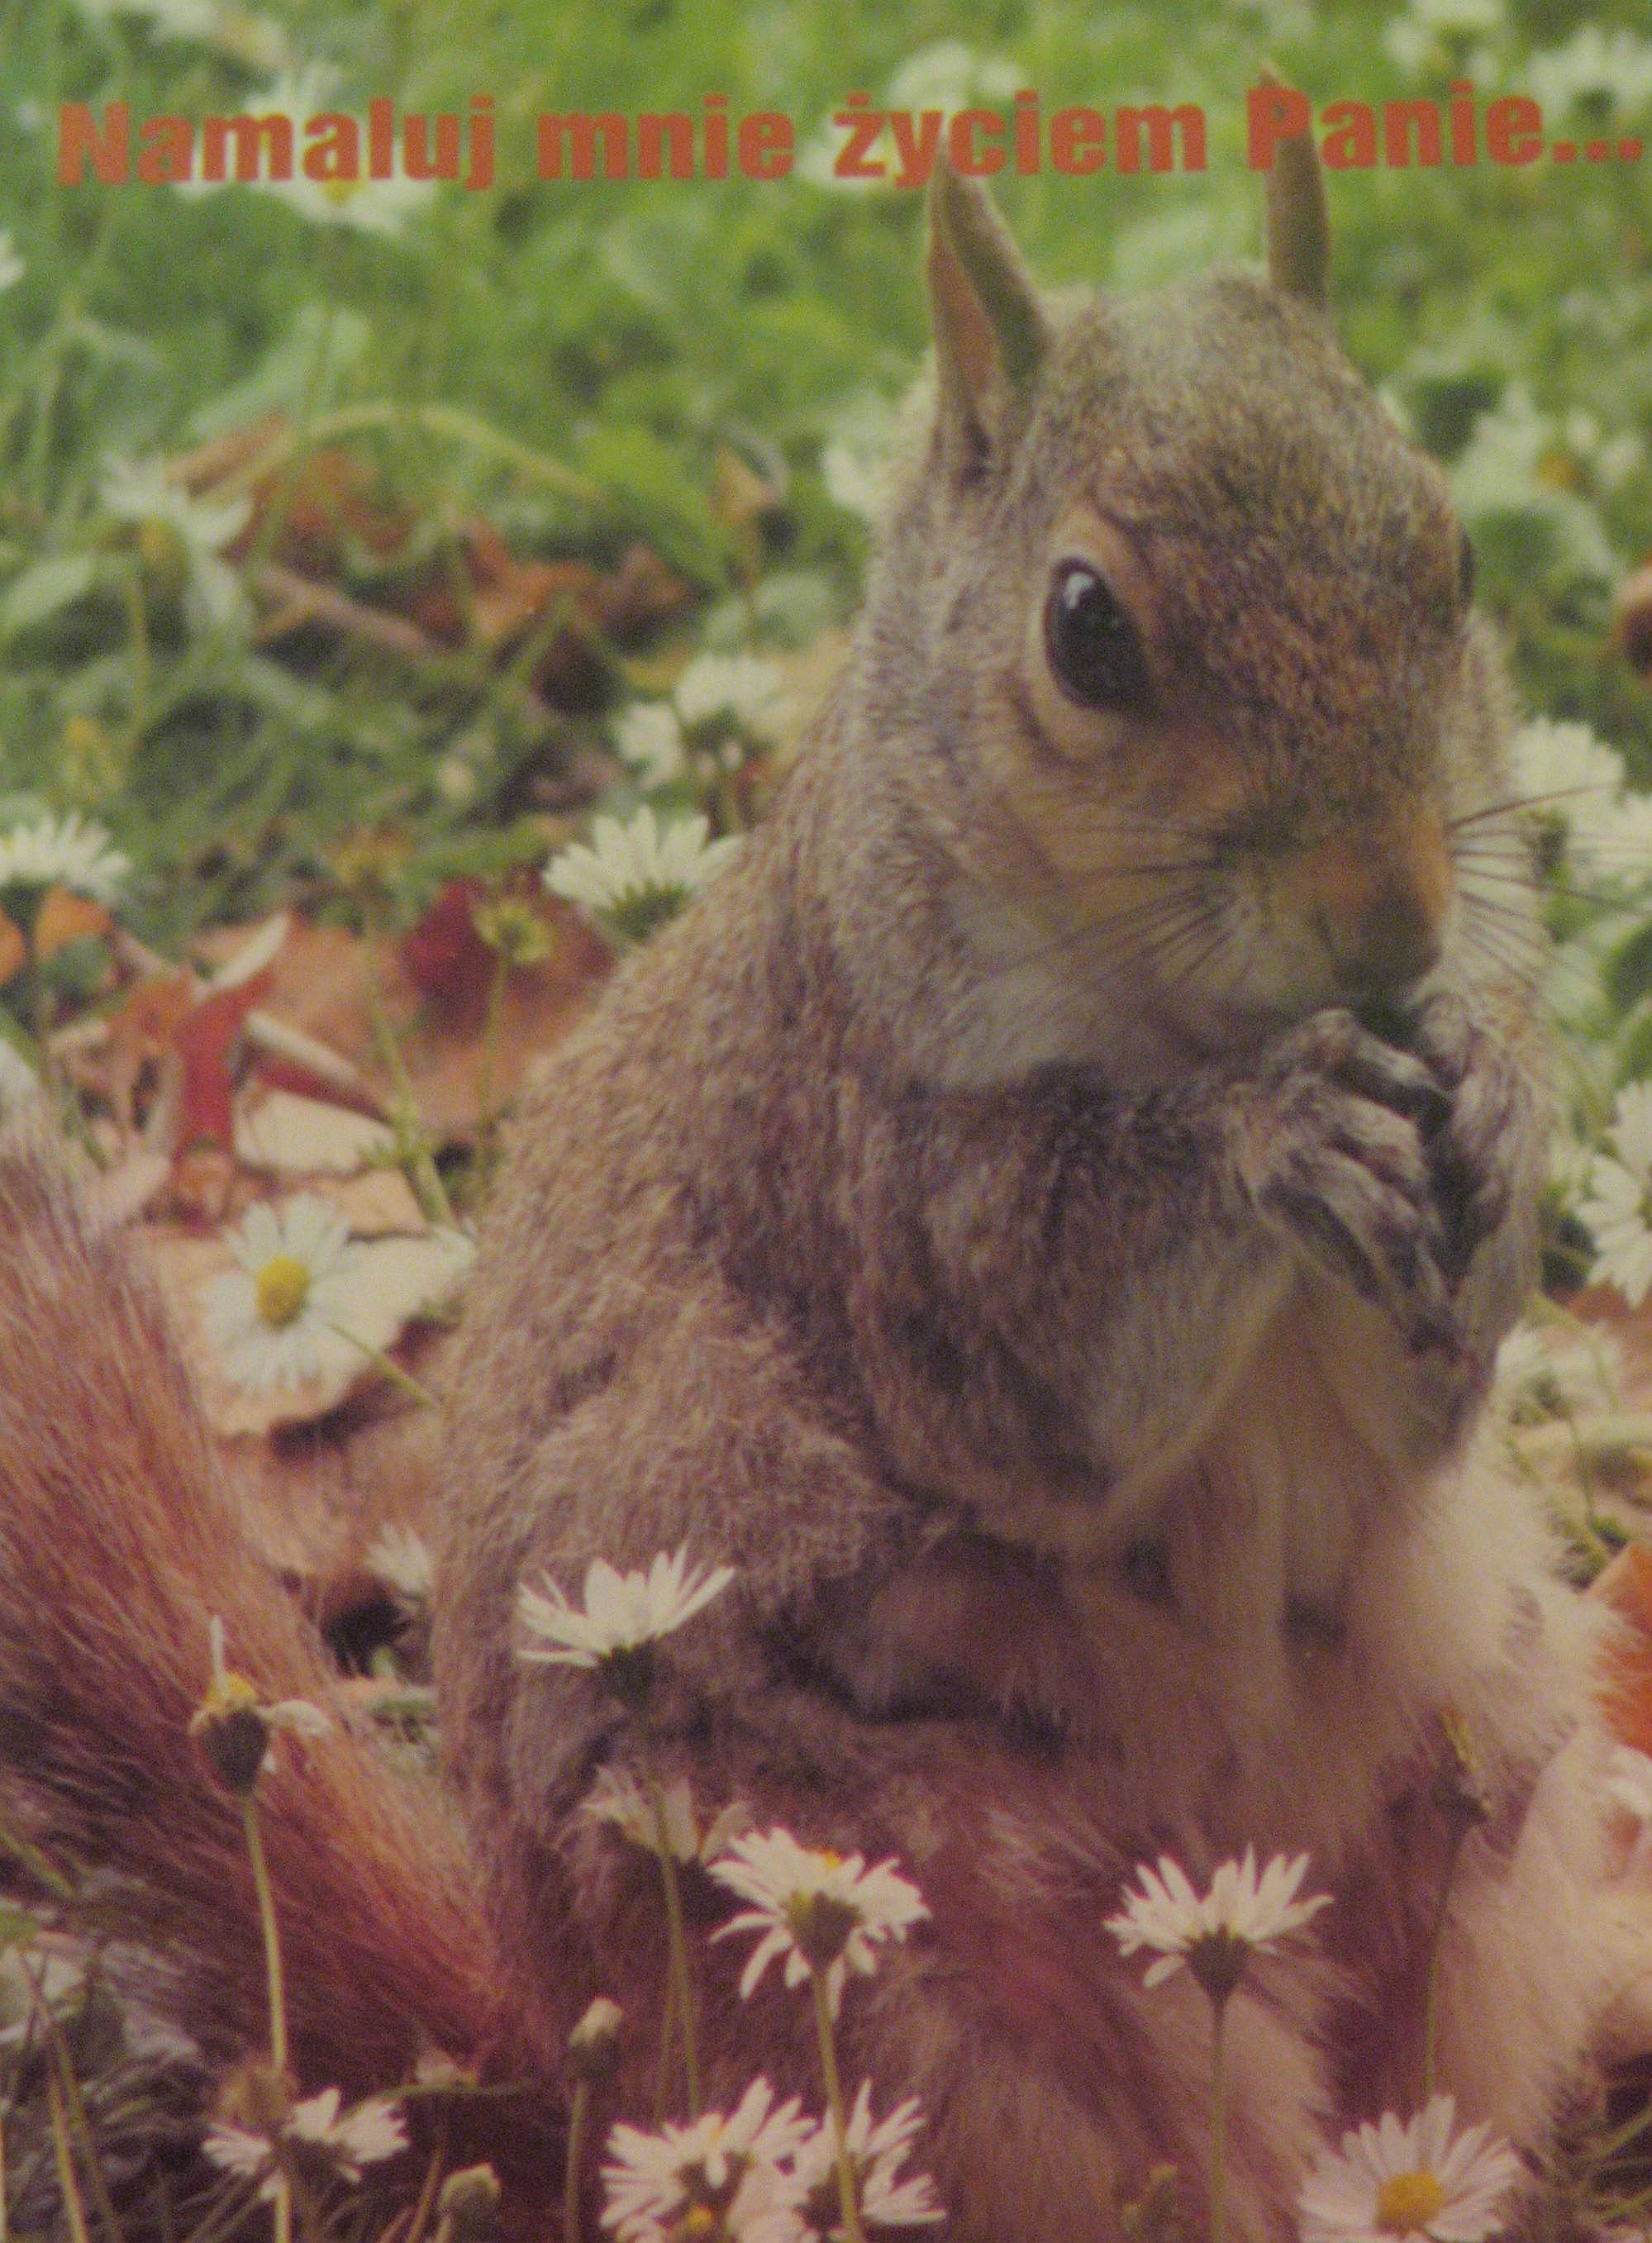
(1046, 1216)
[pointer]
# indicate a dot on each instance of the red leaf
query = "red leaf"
(205, 1044)
(444, 955)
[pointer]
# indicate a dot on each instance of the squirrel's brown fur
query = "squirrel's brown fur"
(993, 1221)
(119, 1539)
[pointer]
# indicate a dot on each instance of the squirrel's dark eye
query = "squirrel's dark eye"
(1464, 570)
(1094, 648)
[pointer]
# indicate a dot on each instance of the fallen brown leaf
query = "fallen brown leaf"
(65, 918)
(285, 1135)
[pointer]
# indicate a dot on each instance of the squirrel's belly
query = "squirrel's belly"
(1290, 1620)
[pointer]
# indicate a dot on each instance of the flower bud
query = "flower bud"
(233, 1732)
(469, 2200)
(594, 2044)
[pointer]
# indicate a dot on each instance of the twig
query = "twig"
(304, 601)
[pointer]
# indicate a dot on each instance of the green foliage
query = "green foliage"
(620, 334)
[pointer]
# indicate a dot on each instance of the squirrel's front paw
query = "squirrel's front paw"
(1489, 1131)
(1336, 1151)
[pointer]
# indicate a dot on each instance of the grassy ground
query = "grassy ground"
(642, 335)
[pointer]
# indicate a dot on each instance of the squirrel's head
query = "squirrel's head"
(1185, 621)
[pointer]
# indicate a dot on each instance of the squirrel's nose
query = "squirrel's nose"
(1377, 905)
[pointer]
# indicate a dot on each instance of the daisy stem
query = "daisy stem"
(1436, 1948)
(681, 1990)
(667, 2036)
(272, 1935)
(132, 593)
(492, 1033)
(848, 2194)
(74, 2211)
(422, 1170)
(421, 2219)
(283, 2206)
(75, 2111)
(387, 1367)
(277, 1985)
(1219, 2114)
(571, 2226)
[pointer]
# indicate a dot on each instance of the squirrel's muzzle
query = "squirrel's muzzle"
(1376, 903)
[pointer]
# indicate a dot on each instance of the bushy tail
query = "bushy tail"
(118, 1541)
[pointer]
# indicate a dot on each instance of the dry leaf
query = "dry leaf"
(286, 1135)
(324, 984)
(445, 955)
(65, 918)
(379, 1204)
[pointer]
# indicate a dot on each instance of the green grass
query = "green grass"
(632, 332)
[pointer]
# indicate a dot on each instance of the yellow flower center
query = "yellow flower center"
(1408, 2201)
(228, 1693)
(700, 2219)
(339, 191)
(510, 926)
(159, 546)
(281, 1287)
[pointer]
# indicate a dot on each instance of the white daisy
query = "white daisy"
(823, 1914)
(854, 480)
(239, 2150)
(1414, 38)
(400, 1559)
(178, 19)
(62, 853)
(271, 1321)
(1576, 788)
(861, 443)
(877, 2154)
(747, 687)
(365, 2136)
(1618, 1210)
(650, 739)
(1572, 782)
(1241, 1915)
(1389, 2181)
(633, 878)
(1543, 1372)
(616, 1797)
(364, 206)
(12, 267)
(624, 1613)
(734, 2167)
(1612, 70)
(1502, 476)
(174, 526)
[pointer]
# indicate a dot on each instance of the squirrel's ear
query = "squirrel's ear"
(990, 333)
(1299, 224)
